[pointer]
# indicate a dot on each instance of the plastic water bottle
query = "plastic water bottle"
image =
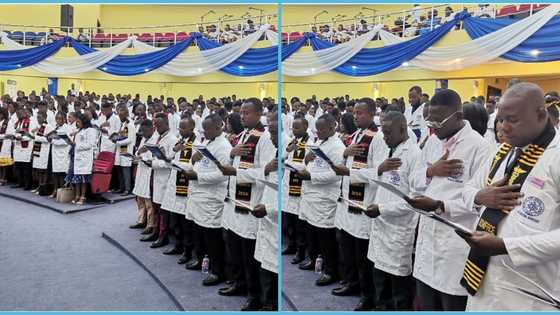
(319, 264)
(205, 264)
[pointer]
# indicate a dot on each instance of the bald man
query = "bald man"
(520, 212)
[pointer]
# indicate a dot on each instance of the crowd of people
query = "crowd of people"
(342, 220)
(198, 170)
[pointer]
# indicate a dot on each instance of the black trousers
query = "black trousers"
(358, 268)
(193, 239)
(178, 228)
(214, 244)
(434, 300)
(269, 287)
(294, 228)
(23, 172)
(251, 267)
(393, 293)
(125, 178)
(325, 240)
(235, 270)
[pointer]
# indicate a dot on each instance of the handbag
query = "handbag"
(65, 194)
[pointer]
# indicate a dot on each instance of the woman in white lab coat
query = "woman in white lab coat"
(60, 152)
(41, 150)
(81, 157)
(5, 146)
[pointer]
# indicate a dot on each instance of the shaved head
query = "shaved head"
(522, 113)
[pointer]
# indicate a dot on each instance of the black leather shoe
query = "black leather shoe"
(138, 226)
(147, 231)
(184, 259)
(366, 304)
(325, 279)
(346, 290)
(307, 264)
(269, 308)
(173, 251)
(149, 238)
(232, 290)
(193, 264)
(251, 305)
(298, 258)
(289, 250)
(211, 279)
(160, 242)
(230, 282)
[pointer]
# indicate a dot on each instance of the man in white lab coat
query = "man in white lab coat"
(320, 192)
(452, 162)
(109, 123)
(516, 192)
(124, 140)
(398, 162)
(23, 147)
(356, 187)
(250, 156)
(414, 112)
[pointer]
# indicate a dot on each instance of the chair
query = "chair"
(182, 36)
(507, 11)
(146, 38)
(99, 40)
(524, 7)
(119, 38)
(294, 36)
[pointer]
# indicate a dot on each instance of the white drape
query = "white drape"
(71, 65)
(480, 50)
(315, 62)
(198, 62)
(272, 36)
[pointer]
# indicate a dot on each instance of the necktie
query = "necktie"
(513, 161)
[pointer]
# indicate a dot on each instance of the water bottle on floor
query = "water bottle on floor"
(319, 264)
(205, 264)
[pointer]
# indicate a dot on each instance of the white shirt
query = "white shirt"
(440, 252)
(531, 233)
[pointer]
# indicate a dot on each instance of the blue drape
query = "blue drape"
(124, 65)
(17, 59)
(546, 40)
(370, 61)
(255, 61)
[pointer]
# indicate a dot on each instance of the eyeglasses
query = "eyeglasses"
(438, 125)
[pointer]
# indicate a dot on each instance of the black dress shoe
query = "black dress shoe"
(183, 259)
(298, 258)
(193, 264)
(289, 250)
(366, 304)
(211, 279)
(230, 282)
(147, 231)
(173, 251)
(138, 226)
(325, 279)
(251, 305)
(149, 238)
(307, 264)
(232, 290)
(160, 242)
(346, 290)
(269, 308)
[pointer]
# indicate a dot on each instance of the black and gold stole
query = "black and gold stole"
(243, 191)
(299, 156)
(516, 173)
(182, 183)
(37, 145)
(356, 192)
(23, 126)
(124, 133)
(3, 129)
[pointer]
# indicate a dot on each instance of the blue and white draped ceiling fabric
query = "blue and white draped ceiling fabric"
(16, 59)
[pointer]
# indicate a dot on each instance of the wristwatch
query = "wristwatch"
(440, 208)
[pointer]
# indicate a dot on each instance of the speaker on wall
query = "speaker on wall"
(66, 17)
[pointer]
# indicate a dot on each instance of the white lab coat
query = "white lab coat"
(161, 168)
(287, 121)
(416, 120)
(490, 134)
(392, 234)
(114, 126)
(20, 153)
(42, 161)
(205, 204)
(320, 194)
(358, 224)
(531, 233)
(440, 252)
(143, 171)
(129, 143)
(266, 247)
(245, 224)
(171, 201)
(6, 148)
(60, 150)
(290, 204)
(174, 120)
(85, 141)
